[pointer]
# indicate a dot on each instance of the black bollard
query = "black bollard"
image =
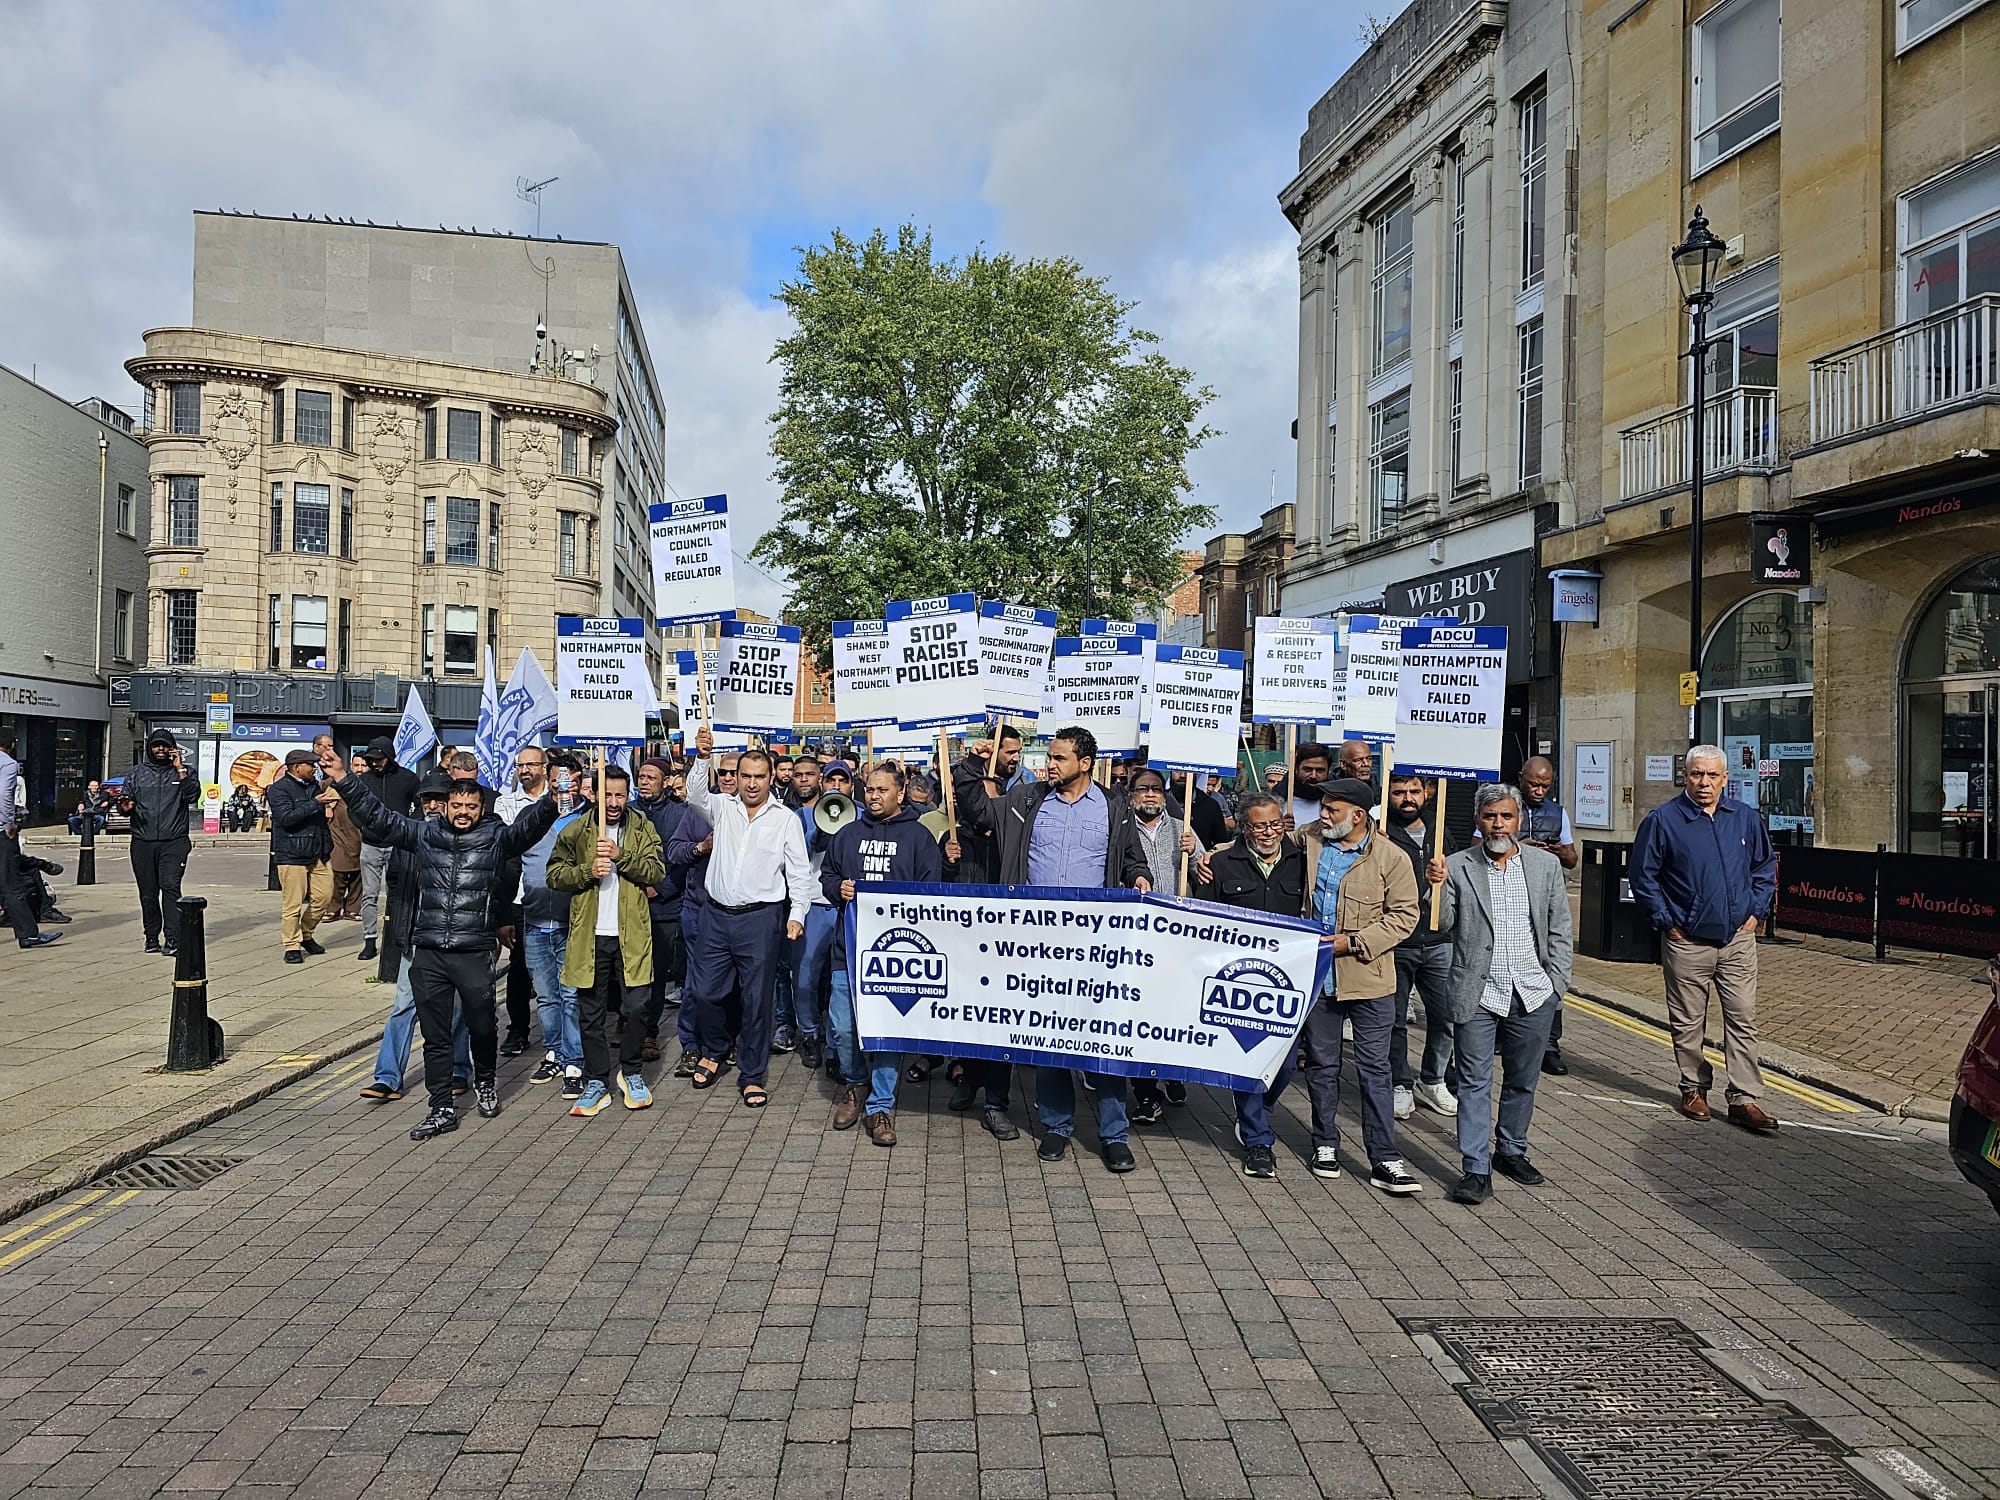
(194, 1041)
(86, 854)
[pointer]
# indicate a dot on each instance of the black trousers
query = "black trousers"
(995, 1078)
(608, 996)
(520, 989)
(438, 978)
(14, 894)
(738, 951)
(669, 967)
(157, 866)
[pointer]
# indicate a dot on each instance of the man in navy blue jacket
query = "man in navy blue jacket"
(887, 842)
(1703, 869)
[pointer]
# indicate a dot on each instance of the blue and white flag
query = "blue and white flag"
(509, 720)
(485, 742)
(416, 735)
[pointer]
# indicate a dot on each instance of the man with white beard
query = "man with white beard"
(1510, 965)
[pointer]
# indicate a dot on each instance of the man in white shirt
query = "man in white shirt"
(760, 885)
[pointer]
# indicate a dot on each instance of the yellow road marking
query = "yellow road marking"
(330, 1083)
(293, 1060)
(82, 1201)
(1805, 1093)
(64, 1230)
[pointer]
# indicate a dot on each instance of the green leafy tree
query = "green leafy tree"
(986, 424)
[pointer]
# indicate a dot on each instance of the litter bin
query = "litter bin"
(1613, 926)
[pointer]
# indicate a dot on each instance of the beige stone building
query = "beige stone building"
(1849, 156)
(328, 516)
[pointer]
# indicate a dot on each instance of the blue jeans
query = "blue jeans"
(544, 949)
(1521, 1037)
(1254, 1106)
(1427, 970)
(402, 1025)
(809, 958)
(1055, 1100)
(884, 1068)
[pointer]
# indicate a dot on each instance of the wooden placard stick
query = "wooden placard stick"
(1187, 822)
(600, 764)
(1291, 760)
(993, 756)
(1437, 848)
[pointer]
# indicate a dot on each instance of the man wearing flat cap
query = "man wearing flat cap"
(302, 845)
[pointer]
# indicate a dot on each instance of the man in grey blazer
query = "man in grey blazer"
(1508, 916)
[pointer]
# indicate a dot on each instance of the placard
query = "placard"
(687, 697)
(601, 684)
(1144, 630)
(1096, 682)
(759, 679)
(1374, 672)
(694, 573)
(934, 653)
(1451, 701)
(1659, 768)
(1828, 891)
(1014, 645)
(1590, 803)
(1298, 668)
(864, 682)
(1143, 986)
(1197, 705)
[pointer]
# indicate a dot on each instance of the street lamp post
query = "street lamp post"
(1090, 545)
(1695, 260)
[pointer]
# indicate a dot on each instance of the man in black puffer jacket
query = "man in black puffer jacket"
(156, 795)
(301, 845)
(463, 895)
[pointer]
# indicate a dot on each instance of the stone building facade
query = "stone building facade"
(1850, 656)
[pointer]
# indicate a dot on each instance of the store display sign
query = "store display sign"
(1828, 891)
(1781, 550)
(1940, 903)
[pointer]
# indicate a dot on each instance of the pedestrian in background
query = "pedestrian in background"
(156, 795)
(1423, 963)
(395, 787)
(346, 861)
(15, 895)
(666, 897)
(1545, 825)
(302, 845)
(398, 919)
(1703, 868)
(1163, 839)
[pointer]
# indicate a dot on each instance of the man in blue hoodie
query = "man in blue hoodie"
(887, 842)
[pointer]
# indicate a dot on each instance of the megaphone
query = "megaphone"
(938, 823)
(832, 813)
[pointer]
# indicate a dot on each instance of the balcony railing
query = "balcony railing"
(1741, 432)
(1948, 359)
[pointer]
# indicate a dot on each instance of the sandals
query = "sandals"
(755, 1096)
(705, 1073)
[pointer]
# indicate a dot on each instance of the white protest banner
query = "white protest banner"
(1298, 668)
(688, 677)
(892, 742)
(934, 651)
(1096, 681)
(1197, 699)
(759, 678)
(1144, 630)
(1108, 981)
(1374, 668)
(864, 679)
(602, 686)
(1452, 703)
(1014, 645)
(694, 575)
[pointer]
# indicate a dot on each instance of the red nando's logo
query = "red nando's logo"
(1806, 890)
(1926, 512)
(1954, 906)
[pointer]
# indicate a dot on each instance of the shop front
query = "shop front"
(1951, 718)
(60, 727)
(1757, 704)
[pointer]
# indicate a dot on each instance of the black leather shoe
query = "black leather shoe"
(1118, 1156)
(1518, 1169)
(41, 940)
(367, 950)
(1553, 1064)
(514, 1045)
(1473, 1189)
(1053, 1148)
(294, 956)
(313, 948)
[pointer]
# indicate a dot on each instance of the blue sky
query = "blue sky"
(1148, 140)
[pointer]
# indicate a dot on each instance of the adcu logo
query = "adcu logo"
(1253, 1000)
(904, 968)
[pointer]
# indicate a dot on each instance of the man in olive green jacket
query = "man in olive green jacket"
(610, 955)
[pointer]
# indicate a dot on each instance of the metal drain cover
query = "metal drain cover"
(1613, 1406)
(165, 1173)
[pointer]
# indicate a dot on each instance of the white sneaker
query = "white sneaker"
(1437, 1098)
(1406, 1102)
(1325, 1162)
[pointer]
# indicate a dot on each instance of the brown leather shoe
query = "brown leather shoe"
(1751, 1116)
(1695, 1106)
(882, 1128)
(649, 1051)
(847, 1107)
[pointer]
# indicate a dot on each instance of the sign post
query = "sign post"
(864, 681)
(934, 656)
(1297, 667)
(694, 571)
(601, 688)
(1451, 705)
(758, 678)
(1096, 682)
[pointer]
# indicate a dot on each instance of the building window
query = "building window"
(274, 634)
(184, 407)
(309, 632)
(1918, 19)
(569, 437)
(125, 510)
(180, 627)
(1950, 233)
(817, 695)
(1271, 594)
(1736, 78)
(1743, 336)
(461, 531)
(312, 418)
(309, 522)
(430, 617)
(1457, 418)
(493, 441)
(1455, 169)
(430, 529)
(184, 510)
(121, 625)
(493, 536)
(590, 546)
(461, 640)
(277, 416)
(346, 632)
(430, 432)
(1389, 462)
(347, 423)
(1394, 259)
(1533, 117)
(1530, 403)
(461, 436)
(1212, 621)
(493, 632)
(566, 545)
(1250, 607)
(277, 516)
(346, 522)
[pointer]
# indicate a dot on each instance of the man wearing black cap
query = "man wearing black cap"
(301, 846)
(156, 795)
(396, 789)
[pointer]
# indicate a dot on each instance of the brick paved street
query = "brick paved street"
(702, 1299)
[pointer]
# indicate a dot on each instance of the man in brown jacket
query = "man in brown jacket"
(1360, 887)
(346, 861)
